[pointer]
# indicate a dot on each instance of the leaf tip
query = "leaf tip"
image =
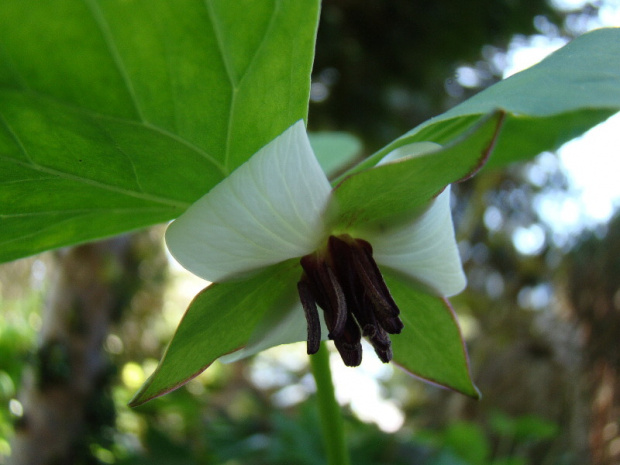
(138, 398)
(143, 395)
(497, 117)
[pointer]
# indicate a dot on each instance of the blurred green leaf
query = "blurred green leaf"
(218, 322)
(298, 441)
(532, 428)
(468, 441)
(510, 461)
(502, 424)
(162, 450)
(445, 457)
(523, 429)
(567, 93)
(116, 114)
(335, 150)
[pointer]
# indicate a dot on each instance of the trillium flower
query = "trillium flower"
(279, 206)
(293, 259)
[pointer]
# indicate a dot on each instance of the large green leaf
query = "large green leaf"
(220, 320)
(561, 97)
(118, 114)
(430, 345)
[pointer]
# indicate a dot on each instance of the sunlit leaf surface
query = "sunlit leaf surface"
(116, 115)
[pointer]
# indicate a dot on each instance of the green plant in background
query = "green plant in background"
(506, 442)
(117, 115)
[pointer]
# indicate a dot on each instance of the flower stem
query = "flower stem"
(329, 410)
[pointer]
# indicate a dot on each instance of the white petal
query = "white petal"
(268, 210)
(425, 249)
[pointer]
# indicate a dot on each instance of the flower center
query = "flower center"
(345, 281)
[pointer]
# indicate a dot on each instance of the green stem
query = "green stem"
(329, 410)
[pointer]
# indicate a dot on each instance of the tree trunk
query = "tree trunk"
(593, 290)
(65, 392)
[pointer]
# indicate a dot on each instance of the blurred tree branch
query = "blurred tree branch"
(66, 391)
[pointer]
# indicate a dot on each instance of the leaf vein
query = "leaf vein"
(41, 232)
(126, 155)
(263, 40)
(97, 184)
(229, 73)
(82, 212)
(144, 124)
(108, 38)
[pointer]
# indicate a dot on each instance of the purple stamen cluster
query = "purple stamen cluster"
(345, 281)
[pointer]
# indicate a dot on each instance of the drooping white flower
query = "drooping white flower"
(273, 208)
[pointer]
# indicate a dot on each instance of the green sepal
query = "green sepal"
(221, 319)
(401, 190)
(430, 346)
